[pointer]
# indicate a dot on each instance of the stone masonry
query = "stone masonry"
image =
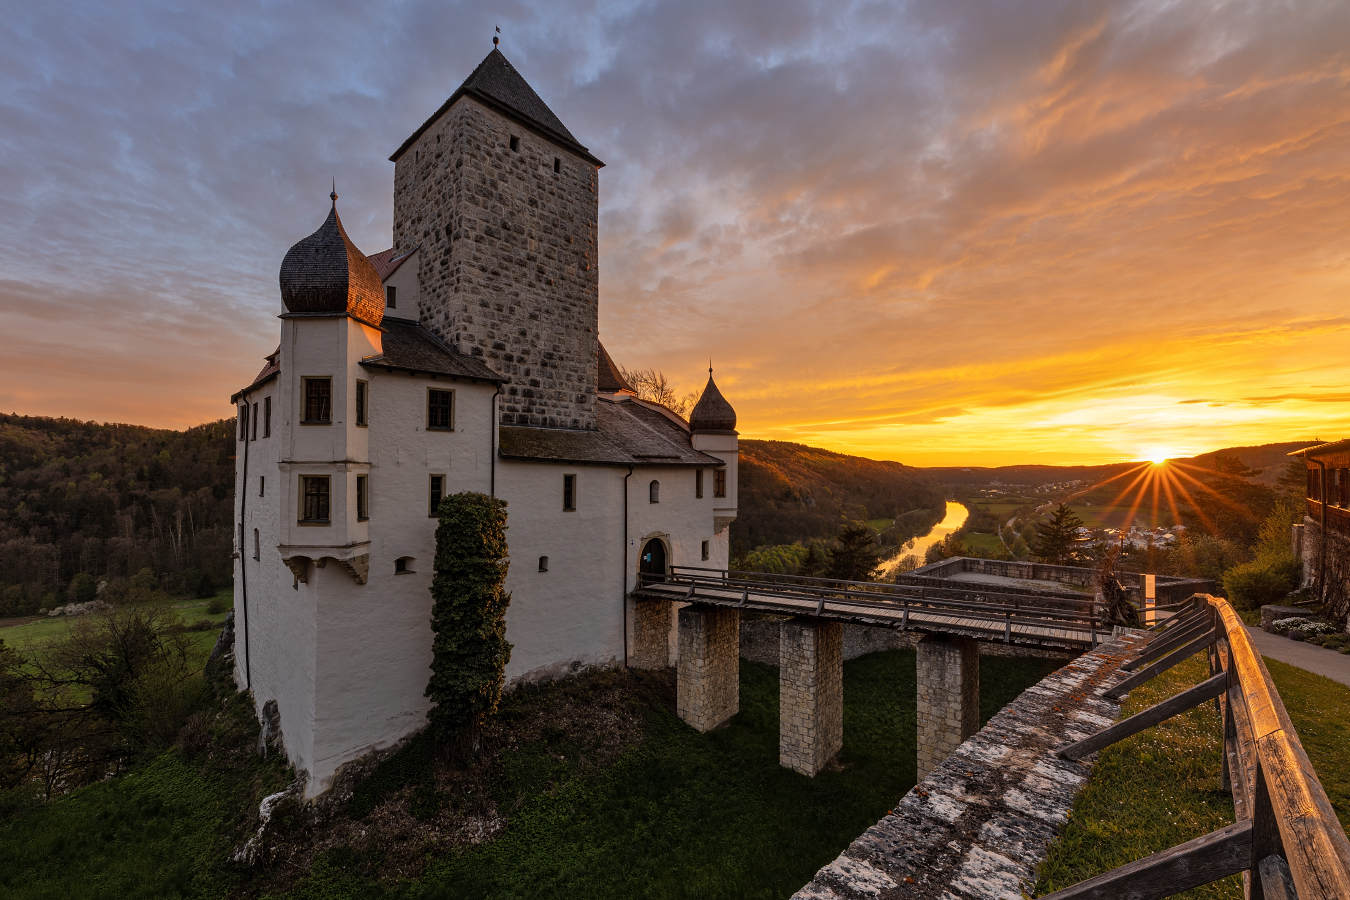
(707, 675)
(978, 825)
(948, 676)
(508, 264)
(810, 694)
(651, 634)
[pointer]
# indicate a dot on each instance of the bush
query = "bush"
(468, 617)
(1262, 581)
(83, 588)
(217, 605)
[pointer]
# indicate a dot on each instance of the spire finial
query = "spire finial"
(333, 196)
(498, 29)
(710, 367)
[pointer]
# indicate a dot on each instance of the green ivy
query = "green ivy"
(468, 616)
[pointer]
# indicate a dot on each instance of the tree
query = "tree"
(815, 565)
(1057, 540)
(651, 385)
(1119, 610)
(1236, 506)
(1293, 481)
(855, 553)
(468, 617)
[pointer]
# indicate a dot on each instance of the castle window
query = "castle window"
(391, 297)
(698, 483)
(243, 423)
(441, 410)
(318, 401)
(262, 484)
(267, 417)
(257, 545)
(403, 565)
(569, 493)
(543, 564)
(557, 164)
(314, 495)
(515, 143)
(654, 492)
(719, 482)
(361, 403)
(705, 549)
(362, 498)
(436, 492)
(254, 435)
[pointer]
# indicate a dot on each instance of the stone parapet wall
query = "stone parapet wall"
(507, 267)
(979, 824)
(707, 674)
(810, 694)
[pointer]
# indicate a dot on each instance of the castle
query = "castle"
(464, 358)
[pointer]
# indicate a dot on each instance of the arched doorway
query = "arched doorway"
(652, 563)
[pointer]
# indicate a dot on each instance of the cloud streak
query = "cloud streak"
(935, 232)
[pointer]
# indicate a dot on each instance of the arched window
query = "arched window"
(655, 491)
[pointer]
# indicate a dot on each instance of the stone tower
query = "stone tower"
(503, 203)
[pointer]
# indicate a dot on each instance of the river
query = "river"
(954, 519)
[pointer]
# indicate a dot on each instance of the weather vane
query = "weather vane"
(494, 37)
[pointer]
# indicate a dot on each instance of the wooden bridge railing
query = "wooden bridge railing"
(1287, 841)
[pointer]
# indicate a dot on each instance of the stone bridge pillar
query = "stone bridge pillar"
(651, 634)
(810, 694)
(708, 673)
(948, 671)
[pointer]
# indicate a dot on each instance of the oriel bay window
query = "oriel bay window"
(719, 482)
(314, 499)
(318, 401)
(440, 410)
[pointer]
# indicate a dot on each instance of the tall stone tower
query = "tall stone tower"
(503, 203)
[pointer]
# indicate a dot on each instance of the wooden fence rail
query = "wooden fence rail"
(1287, 841)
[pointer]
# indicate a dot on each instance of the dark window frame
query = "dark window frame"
(569, 493)
(698, 484)
(654, 492)
(719, 482)
(435, 494)
(514, 144)
(262, 485)
(362, 498)
(253, 428)
(257, 545)
(543, 564)
(267, 417)
(557, 165)
(391, 296)
(243, 421)
(318, 401)
(434, 412)
(362, 403)
(705, 549)
(316, 504)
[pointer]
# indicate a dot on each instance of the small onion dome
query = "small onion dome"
(325, 273)
(712, 412)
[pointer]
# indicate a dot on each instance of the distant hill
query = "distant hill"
(101, 500)
(790, 492)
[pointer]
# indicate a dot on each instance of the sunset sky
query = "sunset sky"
(937, 232)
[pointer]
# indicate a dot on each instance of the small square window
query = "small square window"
(543, 564)
(436, 493)
(441, 410)
(391, 297)
(403, 565)
(318, 401)
(557, 164)
(362, 498)
(361, 391)
(515, 143)
(569, 493)
(314, 499)
(705, 549)
(267, 417)
(719, 482)
(698, 483)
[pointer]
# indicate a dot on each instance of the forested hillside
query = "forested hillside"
(81, 502)
(791, 492)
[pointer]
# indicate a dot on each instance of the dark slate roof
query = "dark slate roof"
(409, 347)
(712, 412)
(271, 369)
(629, 433)
(326, 274)
(386, 263)
(611, 380)
(497, 84)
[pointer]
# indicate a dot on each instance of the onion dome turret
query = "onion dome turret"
(712, 412)
(326, 274)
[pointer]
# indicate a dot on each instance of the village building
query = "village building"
(464, 358)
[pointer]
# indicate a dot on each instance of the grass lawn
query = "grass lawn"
(679, 814)
(880, 524)
(983, 541)
(1161, 787)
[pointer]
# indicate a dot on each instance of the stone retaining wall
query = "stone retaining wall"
(981, 822)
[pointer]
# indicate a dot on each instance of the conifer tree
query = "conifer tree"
(855, 553)
(468, 616)
(815, 564)
(1057, 539)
